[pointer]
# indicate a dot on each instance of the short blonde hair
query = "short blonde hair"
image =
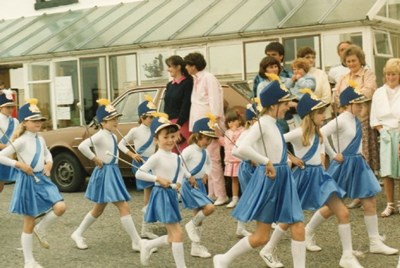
(392, 66)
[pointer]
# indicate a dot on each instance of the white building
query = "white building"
(88, 49)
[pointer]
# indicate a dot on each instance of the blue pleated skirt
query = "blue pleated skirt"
(7, 173)
(140, 185)
(355, 177)
(107, 186)
(315, 187)
(33, 198)
(163, 206)
(266, 200)
(193, 198)
(246, 170)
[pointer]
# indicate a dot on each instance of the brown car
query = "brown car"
(71, 168)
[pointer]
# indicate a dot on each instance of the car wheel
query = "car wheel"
(67, 173)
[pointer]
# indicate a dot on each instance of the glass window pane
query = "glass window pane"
(225, 62)
(382, 44)
(346, 11)
(129, 104)
(41, 91)
(68, 71)
(254, 53)
(93, 84)
(307, 14)
(153, 69)
(293, 44)
(123, 73)
(390, 10)
(39, 71)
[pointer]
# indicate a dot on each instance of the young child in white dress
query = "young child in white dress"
(106, 184)
(142, 139)
(270, 195)
(348, 167)
(34, 192)
(8, 125)
(166, 170)
(193, 191)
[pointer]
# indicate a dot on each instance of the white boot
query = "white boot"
(377, 246)
(349, 261)
(311, 245)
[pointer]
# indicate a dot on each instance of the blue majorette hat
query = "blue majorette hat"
(147, 107)
(30, 112)
(308, 103)
(105, 111)
(6, 98)
(161, 121)
(253, 109)
(275, 92)
(205, 126)
(352, 95)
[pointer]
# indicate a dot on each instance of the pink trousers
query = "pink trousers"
(216, 180)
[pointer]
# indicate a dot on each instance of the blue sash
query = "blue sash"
(177, 170)
(354, 145)
(144, 147)
(35, 159)
(114, 159)
(310, 153)
(9, 131)
(284, 149)
(197, 168)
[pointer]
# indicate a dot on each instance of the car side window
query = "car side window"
(129, 104)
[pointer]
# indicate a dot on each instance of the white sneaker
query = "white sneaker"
(145, 252)
(41, 236)
(377, 246)
(147, 233)
(349, 261)
(241, 232)
(221, 201)
(218, 262)
(233, 203)
(311, 245)
(199, 251)
(270, 258)
(79, 241)
(33, 264)
(192, 232)
(212, 197)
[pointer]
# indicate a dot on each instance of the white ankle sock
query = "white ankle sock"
(158, 242)
(130, 228)
(47, 220)
(178, 253)
(276, 236)
(238, 249)
(298, 254)
(240, 226)
(345, 237)
(27, 245)
(371, 222)
(315, 221)
(85, 224)
(198, 219)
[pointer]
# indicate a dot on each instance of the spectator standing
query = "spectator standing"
(322, 86)
(337, 71)
(177, 97)
(207, 96)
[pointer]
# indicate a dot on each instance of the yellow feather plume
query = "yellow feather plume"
(272, 77)
(148, 98)
(103, 102)
(32, 101)
(353, 84)
(159, 114)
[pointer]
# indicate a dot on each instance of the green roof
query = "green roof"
(151, 22)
